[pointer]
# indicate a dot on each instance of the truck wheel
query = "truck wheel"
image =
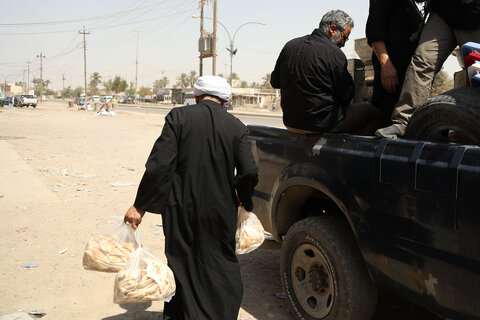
(323, 273)
(453, 116)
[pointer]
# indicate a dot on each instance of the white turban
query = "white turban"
(212, 86)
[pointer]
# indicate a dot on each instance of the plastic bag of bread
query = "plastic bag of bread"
(145, 278)
(110, 250)
(250, 233)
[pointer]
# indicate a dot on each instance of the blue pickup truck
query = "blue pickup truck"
(354, 214)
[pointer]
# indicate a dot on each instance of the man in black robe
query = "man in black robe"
(190, 179)
(393, 31)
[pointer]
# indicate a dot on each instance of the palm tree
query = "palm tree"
(266, 81)
(160, 84)
(232, 77)
(95, 80)
(192, 78)
(183, 80)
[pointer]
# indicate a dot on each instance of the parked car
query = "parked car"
(80, 101)
(105, 98)
(7, 100)
(121, 99)
(189, 99)
(26, 100)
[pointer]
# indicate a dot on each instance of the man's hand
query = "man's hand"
(388, 73)
(389, 76)
(133, 216)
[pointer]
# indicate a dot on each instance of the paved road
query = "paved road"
(247, 119)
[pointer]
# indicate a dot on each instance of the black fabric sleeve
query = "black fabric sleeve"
(376, 28)
(247, 173)
(275, 75)
(343, 85)
(156, 184)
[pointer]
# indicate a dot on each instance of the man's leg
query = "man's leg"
(360, 118)
(436, 43)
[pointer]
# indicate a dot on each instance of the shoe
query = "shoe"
(392, 132)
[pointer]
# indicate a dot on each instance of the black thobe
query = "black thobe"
(394, 22)
(190, 179)
(459, 14)
(312, 73)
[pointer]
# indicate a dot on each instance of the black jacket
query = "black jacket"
(312, 74)
(459, 14)
(394, 22)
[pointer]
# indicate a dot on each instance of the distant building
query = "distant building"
(10, 88)
(253, 98)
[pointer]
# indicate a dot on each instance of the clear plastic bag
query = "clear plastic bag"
(145, 278)
(250, 233)
(110, 250)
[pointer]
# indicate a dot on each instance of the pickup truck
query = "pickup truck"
(356, 213)
(26, 100)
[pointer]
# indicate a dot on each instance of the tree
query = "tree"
(108, 85)
(95, 80)
(67, 92)
(77, 91)
(143, 91)
(183, 81)
(119, 85)
(441, 83)
(266, 81)
(160, 84)
(39, 86)
(130, 91)
(255, 85)
(244, 84)
(192, 78)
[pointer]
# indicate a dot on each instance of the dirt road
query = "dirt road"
(63, 172)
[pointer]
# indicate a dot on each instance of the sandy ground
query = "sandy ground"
(63, 173)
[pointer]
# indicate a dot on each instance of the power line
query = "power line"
(107, 16)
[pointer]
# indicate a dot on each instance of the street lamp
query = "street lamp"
(232, 41)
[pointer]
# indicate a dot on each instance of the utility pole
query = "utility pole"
(63, 80)
(202, 3)
(136, 67)
(41, 56)
(28, 76)
(214, 40)
(84, 62)
(23, 80)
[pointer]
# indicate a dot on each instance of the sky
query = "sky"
(164, 34)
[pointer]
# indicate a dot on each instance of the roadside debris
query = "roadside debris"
(62, 251)
(36, 314)
(119, 184)
(29, 265)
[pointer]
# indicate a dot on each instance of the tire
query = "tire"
(457, 110)
(323, 273)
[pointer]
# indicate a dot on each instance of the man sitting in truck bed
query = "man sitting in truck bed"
(315, 84)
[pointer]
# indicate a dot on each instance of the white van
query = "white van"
(105, 98)
(189, 99)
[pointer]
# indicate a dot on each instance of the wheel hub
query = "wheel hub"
(312, 281)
